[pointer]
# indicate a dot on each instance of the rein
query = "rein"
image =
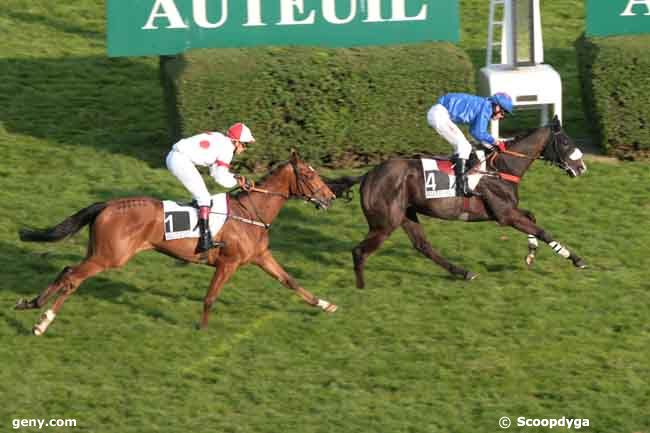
(511, 177)
(249, 189)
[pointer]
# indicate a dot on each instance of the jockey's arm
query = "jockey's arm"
(223, 176)
(479, 130)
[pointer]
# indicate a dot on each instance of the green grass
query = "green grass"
(416, 351)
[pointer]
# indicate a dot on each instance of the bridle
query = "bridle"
(310, 197)
(553, 157)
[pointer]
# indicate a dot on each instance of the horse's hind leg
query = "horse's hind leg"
(40, 300)
(67, 283)
(369, 245)
(415, 233)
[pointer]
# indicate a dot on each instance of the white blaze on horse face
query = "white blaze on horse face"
(576, 155)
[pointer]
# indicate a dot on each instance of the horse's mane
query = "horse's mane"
(525, 134)
(271, 172)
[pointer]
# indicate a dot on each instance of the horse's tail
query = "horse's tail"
(65, 228)
(341, 186)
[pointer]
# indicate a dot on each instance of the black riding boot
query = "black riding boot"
(462, 187)
(205, 237)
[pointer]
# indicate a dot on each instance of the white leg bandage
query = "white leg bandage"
(327, 306)
(46, 319)
(559, 249)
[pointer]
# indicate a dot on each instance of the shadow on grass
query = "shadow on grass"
(32, 273)
(87, 101)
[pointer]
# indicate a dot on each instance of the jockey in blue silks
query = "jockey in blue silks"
(475, 111)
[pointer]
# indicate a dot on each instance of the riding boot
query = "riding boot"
(462, 187)
(205, 237)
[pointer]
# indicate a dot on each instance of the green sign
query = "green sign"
(616, 17)
(146, 27)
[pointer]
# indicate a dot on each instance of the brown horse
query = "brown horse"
(121, 228)
(393, 194)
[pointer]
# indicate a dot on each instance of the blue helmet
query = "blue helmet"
(503, 100)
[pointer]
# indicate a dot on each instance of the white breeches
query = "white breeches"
(438, 118)
(181, 167)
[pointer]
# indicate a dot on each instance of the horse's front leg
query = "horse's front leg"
(532, 240)
(268, 263)
(519, 220)
(221, 276)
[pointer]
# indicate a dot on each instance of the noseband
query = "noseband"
(311, 197)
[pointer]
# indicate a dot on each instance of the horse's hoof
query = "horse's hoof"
(580, 264)
(22, 304)
(469, 276)
(37, 331)
(530, 260)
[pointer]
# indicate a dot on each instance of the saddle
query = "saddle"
(440, 177)
(445, 163)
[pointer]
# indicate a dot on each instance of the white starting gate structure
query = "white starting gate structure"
(521, 71)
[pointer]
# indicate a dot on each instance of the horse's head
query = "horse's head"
(562, 151)
(308, 185)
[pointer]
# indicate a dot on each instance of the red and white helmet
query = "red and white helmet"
(240, 132)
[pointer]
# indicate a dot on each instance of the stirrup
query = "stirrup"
(205, 245)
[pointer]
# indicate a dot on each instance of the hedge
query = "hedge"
(338, 107)
(615, 75)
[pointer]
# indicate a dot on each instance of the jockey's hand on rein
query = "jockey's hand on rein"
(244, 183)
(500, 146)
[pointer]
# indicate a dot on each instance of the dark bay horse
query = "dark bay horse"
(392, 195)
(121, 228)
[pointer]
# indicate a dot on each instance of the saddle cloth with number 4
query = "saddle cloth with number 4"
(440, 178)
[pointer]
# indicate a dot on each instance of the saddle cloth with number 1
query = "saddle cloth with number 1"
(182, 221)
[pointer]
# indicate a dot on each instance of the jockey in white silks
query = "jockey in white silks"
(475, 111)
(214, 150)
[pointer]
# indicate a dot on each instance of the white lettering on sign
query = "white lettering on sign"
(286, 13)
(201, 14)
(399, 12)
(254, 12)
(169, 11)
(628, 10)
(292, 12)
(329, 12)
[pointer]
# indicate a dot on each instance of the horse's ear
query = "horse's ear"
(294, 155)
(555, 123)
